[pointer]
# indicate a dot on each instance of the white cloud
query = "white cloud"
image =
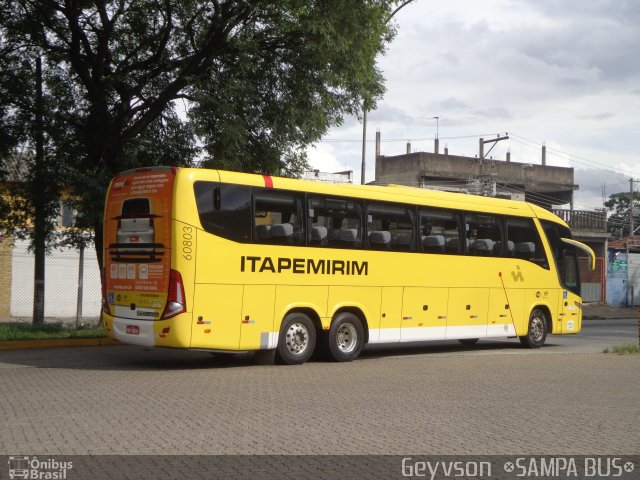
(322, 157)
(547, 70)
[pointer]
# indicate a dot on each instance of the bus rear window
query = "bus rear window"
(135, 207)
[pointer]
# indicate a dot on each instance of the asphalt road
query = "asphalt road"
(491, 398)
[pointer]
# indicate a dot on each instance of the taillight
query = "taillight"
(105, 302)
(176, 303)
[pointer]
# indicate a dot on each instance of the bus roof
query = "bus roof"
(390, 193)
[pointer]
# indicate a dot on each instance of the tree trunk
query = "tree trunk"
(39, 202)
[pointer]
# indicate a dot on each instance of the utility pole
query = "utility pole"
(486, 186)
(482, 143)
(364, 144)
(436, 142)
(631, 207)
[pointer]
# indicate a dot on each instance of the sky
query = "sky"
(565, 74)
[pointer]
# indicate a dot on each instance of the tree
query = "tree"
(618, 221)
(138, 82)
(29, 201)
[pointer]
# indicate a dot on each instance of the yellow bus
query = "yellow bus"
(233, 262)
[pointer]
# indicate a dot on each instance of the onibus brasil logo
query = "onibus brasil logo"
(34, 468)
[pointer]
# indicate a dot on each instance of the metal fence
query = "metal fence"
(595, 220)
(62, 300)
(593, 281)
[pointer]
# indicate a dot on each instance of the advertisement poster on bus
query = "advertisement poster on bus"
(137, 234)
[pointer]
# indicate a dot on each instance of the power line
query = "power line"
(406, 139)
(568, 156)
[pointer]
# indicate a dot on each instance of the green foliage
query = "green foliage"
(242, 85)
(286, 79)
(623, 349)
(618, 219)
(28, 331)
(25, 187)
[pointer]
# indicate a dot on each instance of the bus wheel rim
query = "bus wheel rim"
(297, 338)
(537, 329)
(347, 338)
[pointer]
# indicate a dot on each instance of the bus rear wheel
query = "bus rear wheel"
(297, 339)
(468, 341)
(346, 338)
(537, 330)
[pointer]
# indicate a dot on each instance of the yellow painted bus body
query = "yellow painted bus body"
(237, 294)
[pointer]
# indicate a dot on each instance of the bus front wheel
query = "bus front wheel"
(297, 339)
(346, 337)
(537, 330)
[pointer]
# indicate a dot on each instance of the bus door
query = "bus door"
(568, 312)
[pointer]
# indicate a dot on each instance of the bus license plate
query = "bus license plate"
(133, 329)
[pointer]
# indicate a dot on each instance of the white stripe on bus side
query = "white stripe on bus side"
(417, 334)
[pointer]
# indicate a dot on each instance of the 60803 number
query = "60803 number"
(187, 242)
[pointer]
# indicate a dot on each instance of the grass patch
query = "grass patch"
(27, 331)
(622, 349)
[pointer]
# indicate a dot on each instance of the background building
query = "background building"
(336, 177)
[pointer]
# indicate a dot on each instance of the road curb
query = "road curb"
(56, 343)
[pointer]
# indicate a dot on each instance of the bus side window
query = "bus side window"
(334, 222)
(523, 241)
(438, 231)
(390, 227)
(483, 234)
(224, 209)
(278, 218)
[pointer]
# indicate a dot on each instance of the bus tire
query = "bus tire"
(297, 339)
(536, 331)
(468, 341)
(346, 338)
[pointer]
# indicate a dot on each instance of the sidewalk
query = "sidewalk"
(602, 311)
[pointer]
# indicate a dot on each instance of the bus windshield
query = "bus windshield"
(565, 255)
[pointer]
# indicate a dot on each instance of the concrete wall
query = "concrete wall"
(634, 279)
(617, 289)
(409, 169)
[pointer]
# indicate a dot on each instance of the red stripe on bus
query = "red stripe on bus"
(268, 182)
